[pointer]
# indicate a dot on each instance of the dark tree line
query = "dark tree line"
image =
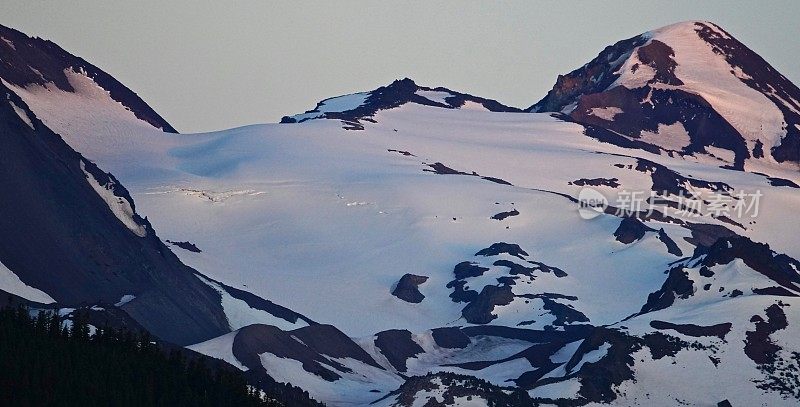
(47, 362)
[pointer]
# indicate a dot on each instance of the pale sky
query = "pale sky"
(214, 65)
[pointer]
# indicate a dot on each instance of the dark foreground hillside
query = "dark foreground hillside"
(45, 363)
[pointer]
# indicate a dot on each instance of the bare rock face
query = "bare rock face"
(407, 288)
(594, 77)
(630, 230)
(60, 235)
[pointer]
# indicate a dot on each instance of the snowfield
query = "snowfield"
(301, 229)
(329, 219)
(324, 216)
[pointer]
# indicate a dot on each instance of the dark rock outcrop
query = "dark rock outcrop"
(495, 249)
(706, 234)
(407, 288)
(594, 77)
(598, 379)
(677, 285)
(329, 341)
(667, 181)
(776, 291)
(441, 169)
(481, 304)
(450, 338)
(758, 345)
(256, 302)
(479, 311)
(564, 313)
(398, 346)
(630, 230)
(186, 246)
(779, 268)
(782, 182)
(252, 341)
(467, 269)
(462, 271)
(596, 182)
(672, 247)
(503, 215)
(718, 330)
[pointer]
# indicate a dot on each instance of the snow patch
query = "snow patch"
(668, 136)
(605, 113)
(721, 153)
(21, 113)
(335, 104)
(10, 44)
(10, 283)
(240, 314)
(435, 96)
(475, 106)
(593, 356)
(569, 108)
(564, 354)
(220, 347)
(119, 206)
(125, 299)
(717, 30)
(633, 73)
(354, 388)
(737, 71)
(564, 389)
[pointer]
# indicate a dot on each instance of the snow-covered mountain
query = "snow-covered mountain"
(411, 244)
(60, 78)
(353, 108)
(688, 88)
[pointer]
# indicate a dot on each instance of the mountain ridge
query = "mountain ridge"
(644, 92)
(31, 60)
(515, 289)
